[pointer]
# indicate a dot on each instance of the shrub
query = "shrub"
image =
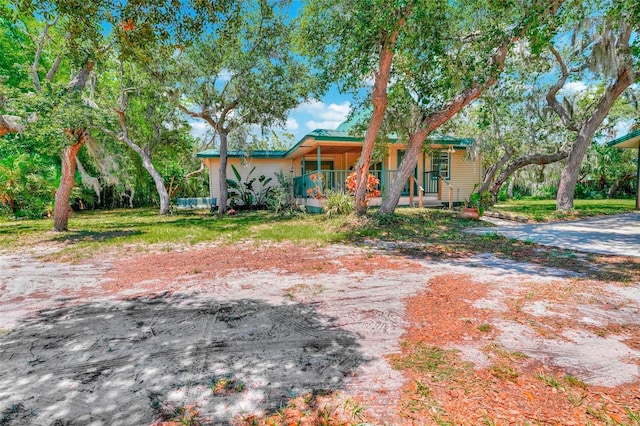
(280, 199)
(338, 203)
(250, 193)
(373, 184)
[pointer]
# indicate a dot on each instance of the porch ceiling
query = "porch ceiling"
(326, 148)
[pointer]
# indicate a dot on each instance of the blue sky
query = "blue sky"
(325, 113)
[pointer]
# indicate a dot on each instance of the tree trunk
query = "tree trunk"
(512, 183)
(617, 184)
(379, 100)
(521, 162)
(146, 161)
(157, 179)
(222, 173)
(493, 169)
(392, 195)
(67, 182)
(569, 176)
(571, 172)
(436, 119)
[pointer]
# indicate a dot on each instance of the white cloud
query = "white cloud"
(326, 124)
(321, 111)
(573, 87)
(291, 124)
(199, 129)
(225, 75)
(622, 128)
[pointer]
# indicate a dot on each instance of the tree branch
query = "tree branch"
(552, 101)
(80, 79)
(10, 124)
(202, 115)
(527, 160)
(36, 59)
(200, 170)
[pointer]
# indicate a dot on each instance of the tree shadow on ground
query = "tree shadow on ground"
(74, 237)
(120, 363)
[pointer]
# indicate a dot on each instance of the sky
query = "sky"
(325, 113)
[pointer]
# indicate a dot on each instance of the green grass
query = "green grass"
(423, 233)
(96, 231)
(440, 364)
(545, 210)
(99, 230)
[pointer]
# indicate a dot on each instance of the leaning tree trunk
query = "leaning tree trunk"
(436, 119)
(222, 173)
(67, 182)
(408, 164)
(571, 171)
(146, 163)
(585, 132)
(379, 99)
(490, 174)
(519, 163)
(620, 182)
(157, 179)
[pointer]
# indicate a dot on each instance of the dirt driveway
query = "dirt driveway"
(238, 332)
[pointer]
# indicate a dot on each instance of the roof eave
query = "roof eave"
(630, 140)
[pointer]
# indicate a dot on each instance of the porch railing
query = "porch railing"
(431, 182)
(312, 183)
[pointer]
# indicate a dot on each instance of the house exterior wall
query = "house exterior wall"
(464, 173)
(264, 166)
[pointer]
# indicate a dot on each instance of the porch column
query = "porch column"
(318, 161)
(383, 179)
(304, 167)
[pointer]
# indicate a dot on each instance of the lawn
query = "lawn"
(280, 281)
(434, 234)
(545, 210)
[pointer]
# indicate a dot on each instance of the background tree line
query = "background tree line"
(100, 92)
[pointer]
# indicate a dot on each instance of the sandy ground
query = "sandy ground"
(108, 342)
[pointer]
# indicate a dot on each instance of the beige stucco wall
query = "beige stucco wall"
(464, 173)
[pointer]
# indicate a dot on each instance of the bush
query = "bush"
(338, 203)
(280, 199)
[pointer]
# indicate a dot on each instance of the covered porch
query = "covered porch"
(426, 190)
(324, 159)
(631, 141)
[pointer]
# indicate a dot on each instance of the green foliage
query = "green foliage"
(441, 364)
(26, 186)
(250, 193)
(280, 199)
(337, 203)
(544, 210)
(479, 201)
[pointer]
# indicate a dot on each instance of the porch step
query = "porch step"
(430, 203)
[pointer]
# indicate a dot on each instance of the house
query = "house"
(631, 140)
(332, 154)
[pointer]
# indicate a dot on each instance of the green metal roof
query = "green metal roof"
(449, 140)
(259, 153)
(630, 140)
(330, 135)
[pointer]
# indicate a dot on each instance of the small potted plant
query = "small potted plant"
(474, 207)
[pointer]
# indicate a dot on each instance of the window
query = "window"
(440, 161)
